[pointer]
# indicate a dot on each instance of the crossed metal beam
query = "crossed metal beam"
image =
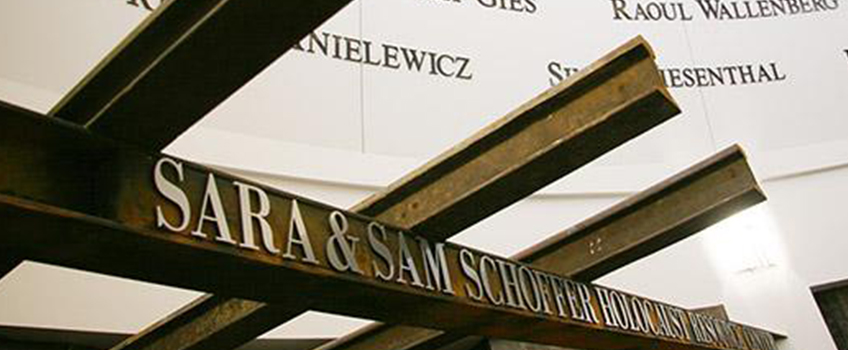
(643, 224)
(144, 94)
(113, 220)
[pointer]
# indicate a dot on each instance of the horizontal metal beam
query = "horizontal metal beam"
(766, 341)
(717, 312)
(645, 223)
(182, 61)
(489, 171)
(143, 219)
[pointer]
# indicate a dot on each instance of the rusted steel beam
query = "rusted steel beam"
(498, 166)
(212, 322)
(716, 311)
(143, 219)
(612, 101)
(645, 223)
(501, 344)
(664, 214)
(182, 61)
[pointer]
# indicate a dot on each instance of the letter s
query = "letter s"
(556, 77)
(531, 6)
(173, 193)
(466, 257)
(381, 249)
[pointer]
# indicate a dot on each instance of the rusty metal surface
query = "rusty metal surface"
(664, 214)
(61, 339)
(608, 103)
(500, 344)
(182, 61)
(717, 311)
(642, 224)
(211, 322)
(114, 230)
(720, 312)
(496, 167)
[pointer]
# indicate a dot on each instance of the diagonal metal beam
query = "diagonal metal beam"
(181, 62)
(657, 217)
(186, 58)
(123, 227)
(643, 224)
(548, 137)
(212, 322)
(541, 141)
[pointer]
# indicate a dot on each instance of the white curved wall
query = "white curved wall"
(337, 130)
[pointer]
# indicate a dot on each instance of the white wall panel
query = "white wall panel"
(303, 97)
(51, 45)
(805, 108)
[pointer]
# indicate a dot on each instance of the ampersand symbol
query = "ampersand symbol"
(340, 242)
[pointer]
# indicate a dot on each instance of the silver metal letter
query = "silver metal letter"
(173, 193)
(406, 262)
(247, 217)
(544, 291)
(436, 267)
(296, 225)
(509, 280)
(558, 286)
(339, 241)
(525, 277)
(606, 307)
(586, 299)
(485, 263)
(466, 258)
(382, 251)
(218, 215)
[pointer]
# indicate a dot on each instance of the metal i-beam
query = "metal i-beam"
(213, 322)
(182, 61)
(644, 223)
(527, 149)
(717, 312)
(617, 98)
(140, 216)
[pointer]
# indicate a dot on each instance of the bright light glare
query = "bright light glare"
(745, 242)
